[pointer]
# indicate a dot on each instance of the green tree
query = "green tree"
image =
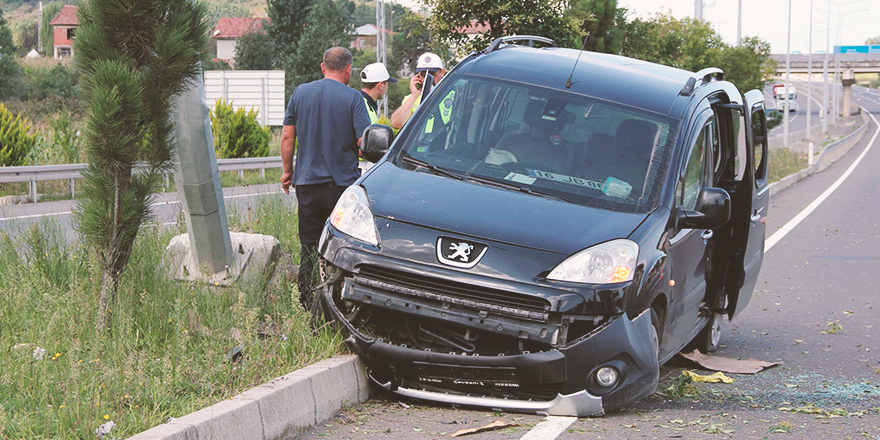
(599, 19)
(504, 17)
(47, 37)
(327, 25)
(413, 37)
(9, 69)
(747, 65)
(25, 34)
(254, 51)
(287, 23)
(131, 74)
(217, 9)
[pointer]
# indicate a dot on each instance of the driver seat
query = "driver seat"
(534, 146)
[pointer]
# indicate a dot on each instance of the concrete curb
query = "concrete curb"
(277, 409)
(843, 145)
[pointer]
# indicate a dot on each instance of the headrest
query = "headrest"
(637, 137)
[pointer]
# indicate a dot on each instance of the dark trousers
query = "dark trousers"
(316, 202)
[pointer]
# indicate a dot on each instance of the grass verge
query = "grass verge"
(783, 162)
(165, 354)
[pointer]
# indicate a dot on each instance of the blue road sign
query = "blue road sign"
(857, 49)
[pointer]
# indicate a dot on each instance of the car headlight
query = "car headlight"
(606, 263)
(353, 216)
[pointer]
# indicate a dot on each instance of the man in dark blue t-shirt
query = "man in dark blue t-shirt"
(328, 118)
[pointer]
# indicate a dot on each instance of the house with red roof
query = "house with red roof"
(230, 29)
(63, 31)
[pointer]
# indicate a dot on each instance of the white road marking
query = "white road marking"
(781, 233)
(170, 202)
(549, 428)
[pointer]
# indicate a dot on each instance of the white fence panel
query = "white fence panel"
(262, 90)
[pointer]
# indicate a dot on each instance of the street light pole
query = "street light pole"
(825, 72)
(739, 22)
(698, 10)
(837, 73)
(787, 99)
(810, 74)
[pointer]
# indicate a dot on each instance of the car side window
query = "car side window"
(759, 143)
(692, 182)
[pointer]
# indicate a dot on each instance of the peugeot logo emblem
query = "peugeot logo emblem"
(459, 253)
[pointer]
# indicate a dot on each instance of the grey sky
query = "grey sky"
(767, 19)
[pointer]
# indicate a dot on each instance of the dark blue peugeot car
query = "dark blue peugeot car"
(574, 222)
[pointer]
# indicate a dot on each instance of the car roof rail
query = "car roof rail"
(704, 75)
(495, 45)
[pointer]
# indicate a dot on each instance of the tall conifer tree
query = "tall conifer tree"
(135, 57)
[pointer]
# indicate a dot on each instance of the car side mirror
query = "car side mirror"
(712, 211)
(376, 141)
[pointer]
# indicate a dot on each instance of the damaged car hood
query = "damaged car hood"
(492, 213)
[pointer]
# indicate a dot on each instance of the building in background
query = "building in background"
(365, 36)
(230, 29)
(63, 31)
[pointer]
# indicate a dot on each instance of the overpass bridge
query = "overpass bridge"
(849, 65)
(857, 62)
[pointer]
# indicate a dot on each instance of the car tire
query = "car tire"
(709, 338)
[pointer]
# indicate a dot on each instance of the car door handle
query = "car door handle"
(755, 219)
(707, 234)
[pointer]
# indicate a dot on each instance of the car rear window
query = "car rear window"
(570, 146)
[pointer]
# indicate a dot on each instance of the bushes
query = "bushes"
(15, 141)
(237, 132)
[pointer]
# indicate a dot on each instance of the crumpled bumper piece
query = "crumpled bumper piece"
(581, 404)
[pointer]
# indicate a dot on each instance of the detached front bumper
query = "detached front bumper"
(557, 381)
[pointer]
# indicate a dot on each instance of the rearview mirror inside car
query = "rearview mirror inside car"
(712, 211)
(376, 142)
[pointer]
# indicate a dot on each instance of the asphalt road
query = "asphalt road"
(797, 120)
(815, 310)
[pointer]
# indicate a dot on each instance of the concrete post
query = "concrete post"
(198, 182)
(849, 79)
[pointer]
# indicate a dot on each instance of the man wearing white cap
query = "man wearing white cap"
(429, 63)
(375, 79)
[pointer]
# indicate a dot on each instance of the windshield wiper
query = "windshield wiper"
(514, 187)
(433, 168)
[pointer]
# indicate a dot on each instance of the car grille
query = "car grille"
(462, 291)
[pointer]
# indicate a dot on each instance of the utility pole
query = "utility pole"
(698, 10)
(810, 76)
(380, 44)
(40, 30)
(787, 99)
(836, 72)
(739, 22)
(825, 72)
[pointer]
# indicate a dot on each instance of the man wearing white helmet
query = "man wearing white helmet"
(375, 79)
(429, 63)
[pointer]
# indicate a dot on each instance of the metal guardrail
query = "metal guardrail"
(71, 172)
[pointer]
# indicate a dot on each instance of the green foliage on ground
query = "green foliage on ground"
(47, 39)
(784, 162)
(131, 75)
(165, 355)
(16, 140)
(237, 133)
(254, 51)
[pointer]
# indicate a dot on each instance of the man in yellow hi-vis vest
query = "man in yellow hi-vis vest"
(375, 79)
(429, 63)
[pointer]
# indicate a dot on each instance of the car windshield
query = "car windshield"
(546, 142)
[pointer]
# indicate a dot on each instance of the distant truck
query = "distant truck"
(784, 102)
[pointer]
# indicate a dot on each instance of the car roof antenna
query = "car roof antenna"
(568, 81)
